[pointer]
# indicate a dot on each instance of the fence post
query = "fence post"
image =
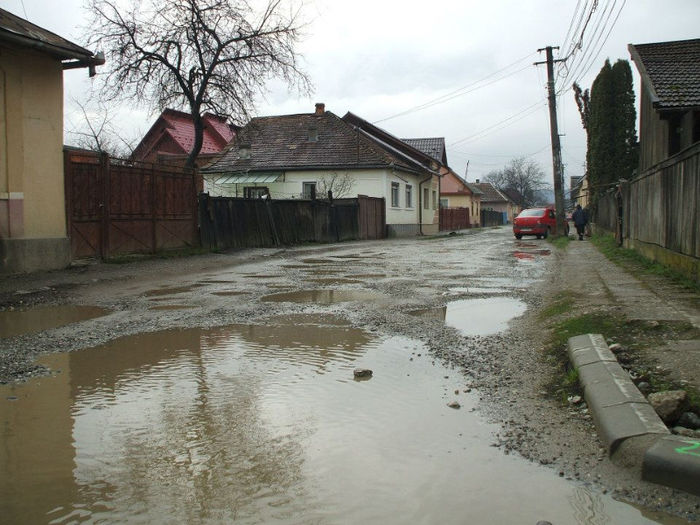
(106, 183)
(154, 216)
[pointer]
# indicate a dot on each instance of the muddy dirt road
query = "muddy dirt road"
(220, 388)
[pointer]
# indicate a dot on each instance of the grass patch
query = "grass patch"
(170, 254)
(636, 263)
(562, 304)
(560, 241)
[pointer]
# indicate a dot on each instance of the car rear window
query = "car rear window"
(534, 212)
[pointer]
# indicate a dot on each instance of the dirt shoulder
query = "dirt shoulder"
(587, 292)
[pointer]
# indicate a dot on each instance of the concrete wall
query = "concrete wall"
(32, 207)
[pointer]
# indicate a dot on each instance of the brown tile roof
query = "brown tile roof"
(283, 143)
(491, 194)
(434, 146)
(22, 32)
(671, 70)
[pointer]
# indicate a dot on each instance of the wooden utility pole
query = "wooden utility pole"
(556, 146)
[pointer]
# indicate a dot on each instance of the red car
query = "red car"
(539, 222)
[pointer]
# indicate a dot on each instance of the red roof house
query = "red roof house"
(172, 136)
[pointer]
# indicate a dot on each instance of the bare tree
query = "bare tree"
(202, 55)
(340, 184)
(96, 131)
(524, 176)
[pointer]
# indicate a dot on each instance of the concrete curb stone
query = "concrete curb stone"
(621, 412)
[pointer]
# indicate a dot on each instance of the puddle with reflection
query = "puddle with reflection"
(485, 316)
(309, 319)
(333, 280)
(319, 261)
(519, 254)
(369, 275)
(172, 307)
(227, 293)
(173, 290)
(323, 271)
(36, 319)
(478, 290)
(262, 424)
(258, 276)
(323, 296)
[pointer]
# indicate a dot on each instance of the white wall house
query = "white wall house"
(286, 157)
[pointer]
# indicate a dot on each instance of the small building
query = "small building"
(494, 200)
(171, 138)
(670, 98)
(33, 232)
(305, 155)
(455, 192)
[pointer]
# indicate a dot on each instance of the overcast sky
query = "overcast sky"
(381, 58)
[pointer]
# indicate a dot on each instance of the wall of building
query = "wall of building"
(373, 183)
(32, 205)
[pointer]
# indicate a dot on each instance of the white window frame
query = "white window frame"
(395, 195)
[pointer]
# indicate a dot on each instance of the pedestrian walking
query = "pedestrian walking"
(580, 219)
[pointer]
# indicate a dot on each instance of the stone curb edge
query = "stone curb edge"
(621, 412)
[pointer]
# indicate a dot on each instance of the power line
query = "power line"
(462, 90)
(521, 114)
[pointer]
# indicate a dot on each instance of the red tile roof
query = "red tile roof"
(173, 132)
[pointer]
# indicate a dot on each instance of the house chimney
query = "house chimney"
(320, 108)
(477, 181)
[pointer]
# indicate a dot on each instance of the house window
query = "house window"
(255, 192)
(308, 190)
(426, 196)
(444, 203)
(313, 135)
(409, 196)
(394, 194)
(434, 199)
(244, 152)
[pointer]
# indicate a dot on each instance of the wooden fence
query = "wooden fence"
(493, 218)
(227, 222)
(658, 209)
(117, 207)
(454, 219)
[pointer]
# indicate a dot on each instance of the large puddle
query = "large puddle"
(261, 424)
(484, 316)
(323, 296)
(31, 320)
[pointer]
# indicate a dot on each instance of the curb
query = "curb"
(621, 412)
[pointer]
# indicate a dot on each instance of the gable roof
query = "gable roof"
(475, 188)
(453, 184)
(176, 128)
(435, 147)
(491, 194)
(670, 71)
(284, 143)
(21, 32)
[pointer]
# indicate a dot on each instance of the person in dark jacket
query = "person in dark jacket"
(580, 219)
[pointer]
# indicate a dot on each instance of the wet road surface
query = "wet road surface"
(259, 419)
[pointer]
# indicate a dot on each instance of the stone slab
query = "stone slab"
(605, 384)
(589, 348)
(619, 422)
(674, 461)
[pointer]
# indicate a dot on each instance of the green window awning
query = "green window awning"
(240, 178)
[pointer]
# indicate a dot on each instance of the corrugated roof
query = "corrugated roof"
(671, 71)
(305, 141)
(19, 30)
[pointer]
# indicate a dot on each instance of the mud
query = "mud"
(504, 372)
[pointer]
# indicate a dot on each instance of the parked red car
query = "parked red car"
(539, 222)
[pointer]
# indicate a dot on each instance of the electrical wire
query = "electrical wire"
(462, 90)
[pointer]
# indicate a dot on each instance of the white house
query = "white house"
(305, 155)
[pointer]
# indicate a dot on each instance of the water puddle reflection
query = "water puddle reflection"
(36, 319)
(228, 293)
(265, 423)
(323, 296)
(333, 280)
(485, 316)
(172, 290)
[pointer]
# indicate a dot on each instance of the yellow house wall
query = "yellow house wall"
(31, 134)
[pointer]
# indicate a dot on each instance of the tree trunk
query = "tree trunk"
(198, 139)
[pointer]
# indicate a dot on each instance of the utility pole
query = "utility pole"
(556, 146)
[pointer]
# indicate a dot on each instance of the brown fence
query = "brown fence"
(659, 208)
(454, 219)
(116, 207)
(227, 222)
